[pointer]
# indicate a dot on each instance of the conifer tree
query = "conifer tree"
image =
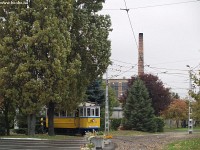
(138, 112)
(95, 92)
(160, 96)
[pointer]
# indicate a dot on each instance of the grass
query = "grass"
(192, 144)
(195, 129)
(133, 133)
(127, 133)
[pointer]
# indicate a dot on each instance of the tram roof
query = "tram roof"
(87, 104)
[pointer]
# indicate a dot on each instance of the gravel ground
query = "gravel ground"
(149, 142)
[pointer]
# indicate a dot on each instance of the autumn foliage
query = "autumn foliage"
(177, 111)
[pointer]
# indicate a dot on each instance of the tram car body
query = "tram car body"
(85, 118)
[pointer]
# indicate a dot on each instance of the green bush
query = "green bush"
(100, 133)
(22, 120)
(21, 131)
(2, 130)
(115, 123)
(160, 124)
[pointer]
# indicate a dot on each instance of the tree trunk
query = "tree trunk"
(7, 125)
(170, 123)
(50, 113)
(31, 124)
(7, 122)
(177, 123)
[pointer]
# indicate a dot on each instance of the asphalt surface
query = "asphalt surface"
(30, 144)
(39, 144)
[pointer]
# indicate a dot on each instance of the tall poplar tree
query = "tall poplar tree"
(8, 64)
(39, 42)
(55, 48)
(89, 35)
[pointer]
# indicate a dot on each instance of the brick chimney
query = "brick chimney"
(140, 56)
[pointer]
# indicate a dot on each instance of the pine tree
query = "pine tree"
(160, 96)
(95, 93)
(138, 112)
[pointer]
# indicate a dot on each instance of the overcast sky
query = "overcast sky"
(171, 39)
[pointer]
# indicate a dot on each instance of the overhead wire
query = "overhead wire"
(127, 10)
(122, 66)
(166, 72)
(174, 61)
(122, 61)
(166, 68)
(194, 1)
(159, 5)
(122, 72)
(196, 66)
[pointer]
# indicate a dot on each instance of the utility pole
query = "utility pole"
(106, 108)
(190, 120)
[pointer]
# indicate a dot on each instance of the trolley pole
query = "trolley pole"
(190, 120)
(106, 108)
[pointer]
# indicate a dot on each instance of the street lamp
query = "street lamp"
(190, 120)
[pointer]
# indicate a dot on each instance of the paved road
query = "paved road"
(30, 144)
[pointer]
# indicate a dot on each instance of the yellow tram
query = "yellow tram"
(85, 118)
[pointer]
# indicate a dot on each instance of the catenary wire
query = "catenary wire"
(130, 23)
(150, 6)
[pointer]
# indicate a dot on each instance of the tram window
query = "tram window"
(92, 112)
(84, 112)
(88, 112)
(63, 114)
(97, 112)
(81, 112)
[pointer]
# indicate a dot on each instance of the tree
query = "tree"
(175, 95)
(89, 34)
(177, 110)
(138, 112)
(196, 110)
(38, 41)
(112, 102)
(196, 96)
(8, 112)
(8, 93)
(160, 95)
(96, 93)
(8, 64)
(55, 49)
